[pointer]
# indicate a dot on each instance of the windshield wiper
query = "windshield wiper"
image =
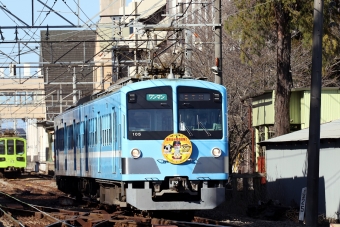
(187, 129)
(206, 131)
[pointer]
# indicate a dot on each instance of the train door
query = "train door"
(78, 146)
(120, 135)
(74, 142)
(99, 139)
(65, 146)
(56, 148)
(114, 140)
(20, 153)
(81, 144)
(86, 143)
(10, 152)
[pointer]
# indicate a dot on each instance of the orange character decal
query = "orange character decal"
(176, 148)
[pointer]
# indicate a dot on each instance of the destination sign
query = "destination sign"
(156, 97)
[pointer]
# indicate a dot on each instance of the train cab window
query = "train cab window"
(197, 119)
(149, 113)
(149, 123)
(2, 147)
(19, 147)
(200, 113)
(10, 147)
(150, 120)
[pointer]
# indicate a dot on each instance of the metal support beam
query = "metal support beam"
(3, 8)
(43, 26)
(56, 13)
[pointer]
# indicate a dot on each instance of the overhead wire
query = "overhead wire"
(62, 73)
(31, 36)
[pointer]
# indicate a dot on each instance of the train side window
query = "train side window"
(70, 137)
(61, 139)
(19, 147)
(82, 134)
(10, 147)
(2, 146)
(110, 129)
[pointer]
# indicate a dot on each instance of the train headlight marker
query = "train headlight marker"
(135, 153)
(216, 152)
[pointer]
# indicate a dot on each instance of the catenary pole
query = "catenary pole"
(218, 42)
(314, 123)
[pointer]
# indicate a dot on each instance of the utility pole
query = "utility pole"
(74, 86)
(188, 52)
(217, 69)
(314, 122)
(102, 77)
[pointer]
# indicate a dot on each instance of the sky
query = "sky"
(19, 13)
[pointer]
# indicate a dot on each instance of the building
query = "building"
(286, 167)
(66, 58)
(22, 96)
(263, 113)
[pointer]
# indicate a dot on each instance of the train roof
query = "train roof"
(181, 82)
(127, 84)
(9, 132)
(130, 83)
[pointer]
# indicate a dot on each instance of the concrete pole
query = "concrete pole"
(60, 99)
(136, 39)
(314, 122)
(74, 86)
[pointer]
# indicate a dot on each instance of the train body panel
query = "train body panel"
(147, 145)
(154, 166)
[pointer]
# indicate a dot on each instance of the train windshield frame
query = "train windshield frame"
(2, 147)
(20, 147)
(10, 147)
(200, 113)
(150, 118)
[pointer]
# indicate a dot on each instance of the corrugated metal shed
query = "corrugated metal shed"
(287, 162)
(330, 130)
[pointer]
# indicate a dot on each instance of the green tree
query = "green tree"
(277, 25)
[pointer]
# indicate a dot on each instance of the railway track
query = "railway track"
(44, 194)
(14, 212)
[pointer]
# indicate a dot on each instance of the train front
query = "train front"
(175, 154)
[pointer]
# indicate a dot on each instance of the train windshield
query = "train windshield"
(149, 123)
(150, 113)
(10, 147)
(20, 147)
(200, 113)
(2, 146)
(199, 119)
(150, 120)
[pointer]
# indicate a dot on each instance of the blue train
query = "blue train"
(151, 145)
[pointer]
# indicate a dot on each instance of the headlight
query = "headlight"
(216, 152)
(135, 153)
